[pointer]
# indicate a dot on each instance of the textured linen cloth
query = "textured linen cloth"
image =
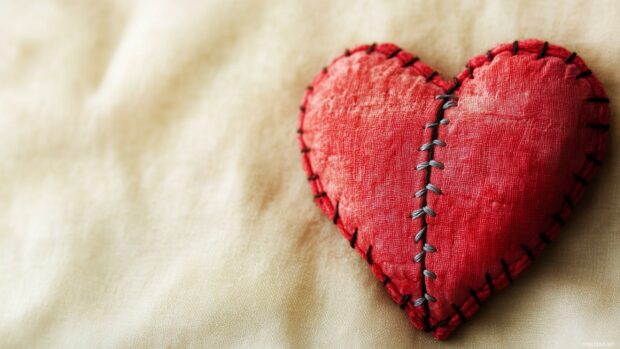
(151, 191)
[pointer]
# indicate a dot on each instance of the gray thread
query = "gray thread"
(432, 163)
(429, 274)
(434, 189)
(428, 187)
(420, 234)
(450, 101)
(422, 211)
(427, 298)
(446, 97)
(449, 104)
(430, 298)
(436, 142)
(429, 248)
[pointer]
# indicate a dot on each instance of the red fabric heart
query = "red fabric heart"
(450, 189)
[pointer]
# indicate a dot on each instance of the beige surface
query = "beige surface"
(151, 192)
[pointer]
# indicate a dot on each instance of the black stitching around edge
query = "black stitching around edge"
(506, 270)
(410, 62)
(459, 313)
(597, 99)
(431, 76)
(489, 280)
(598, 126)
(336, 213)
(543, 50)
(544, 238)
(320, 195)
(558, 218)
(528, 252)
(474, 295)
(490, 56)
(353, 238)
(584, 74)
(515, 47)
(369, 254)
(580, 179)
(393, 54)
(404, 300)
(593, 159)
(371, 48)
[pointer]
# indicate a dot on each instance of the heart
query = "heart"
(450, 189)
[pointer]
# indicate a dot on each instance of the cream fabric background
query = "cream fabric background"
(151, 191)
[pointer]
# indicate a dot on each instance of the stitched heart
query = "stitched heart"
(450, 189)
